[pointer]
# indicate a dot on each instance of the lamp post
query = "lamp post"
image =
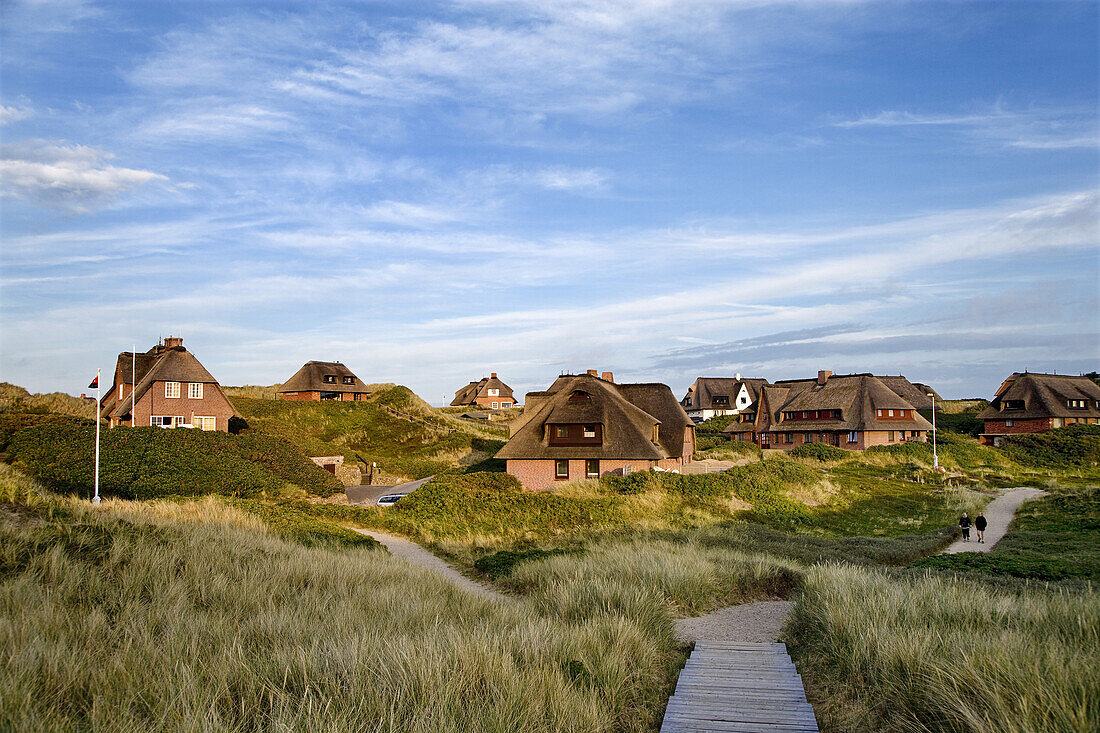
(935, 456)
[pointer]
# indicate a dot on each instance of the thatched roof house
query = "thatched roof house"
(173, 389)
(1035, 403)
(488, 392)
(586, 426)
(324, 380)
(850, 411)
(710, 396)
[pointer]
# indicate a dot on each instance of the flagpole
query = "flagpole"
(133, 387)
(95, 498)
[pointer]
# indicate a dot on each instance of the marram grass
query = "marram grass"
(195, 617)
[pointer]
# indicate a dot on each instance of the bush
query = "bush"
(820, 452)
(500, 564)
(12, 422)
(1074, 445)
(284, 519)
(147, 462)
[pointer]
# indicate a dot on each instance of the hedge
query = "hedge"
(149, 462)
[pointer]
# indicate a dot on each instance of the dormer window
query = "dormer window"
(1077, 404)
(579, 396)
(561, 431)
(655, 433)
(329, 379)
(720, 400)
(590, 431)
(1012, 405)
(494, 392)
(349, 380)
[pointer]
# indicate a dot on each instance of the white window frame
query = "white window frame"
(589, 431)
(199, 421)
(120, 391)
(890, 413)
(494, 392)
(192, 392)
(172, 390)
(1010, 423)
(592, 474)
(496, 405)
(557, 474)
(505, 404)
(853, 436)
(174, 421)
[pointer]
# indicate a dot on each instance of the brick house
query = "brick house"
(490, 392)
(324, 380)
(173, 390)
(586, 426)
(853, 411)
(1035, 403)
(711, 396)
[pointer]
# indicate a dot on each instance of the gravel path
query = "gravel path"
(999, 514)
(417, 555)
(756, 622)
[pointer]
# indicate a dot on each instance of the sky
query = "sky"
(432, 191)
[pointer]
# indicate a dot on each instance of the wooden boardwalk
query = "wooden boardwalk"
(739, 687)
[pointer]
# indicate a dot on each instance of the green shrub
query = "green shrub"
(500, 564)
(286, 520)
(1071, 446)
(147, 462)
(964, 423)
(12, 422)
(820, 451)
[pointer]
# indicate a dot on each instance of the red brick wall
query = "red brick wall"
(1033, 425)
(486, 401)
(213, 404)
(300, 396)
(539, 474)
(865, 439)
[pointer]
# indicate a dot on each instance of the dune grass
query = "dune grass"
(935, 654)
(195, 617)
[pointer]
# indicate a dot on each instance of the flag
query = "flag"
(95, 383)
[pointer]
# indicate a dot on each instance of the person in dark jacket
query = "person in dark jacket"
(964, 525)
(980, 525)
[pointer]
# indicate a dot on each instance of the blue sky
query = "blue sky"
(432, 191)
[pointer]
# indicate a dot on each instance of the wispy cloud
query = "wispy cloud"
(1036, 129)
(14, 114)
(71, 177)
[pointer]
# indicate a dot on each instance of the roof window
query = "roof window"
(329, 379)
(579, 396)
(349, 380)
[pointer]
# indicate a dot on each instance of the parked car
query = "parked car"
(390, 499)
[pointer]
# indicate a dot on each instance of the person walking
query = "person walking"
(964, 525)
(980, 525)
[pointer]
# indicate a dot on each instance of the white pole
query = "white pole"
(95, 498)
(935, 455)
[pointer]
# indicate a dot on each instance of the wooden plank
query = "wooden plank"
(724, 726)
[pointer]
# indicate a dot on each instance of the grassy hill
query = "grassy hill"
(16, 399)
(404, 435)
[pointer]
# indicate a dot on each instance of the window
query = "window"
(744, 400)
(505, 404)
(120, 391)
(788, 438)
(590, 431)
(1012, 405)
(1056, 422)
(166, 421)
(204, 423)
(194, 390)
(561, 431)
(853, 437)
(720, 400)
(878, 413)
(655, 434)
(579, 396)
(890, 436)
(494, 392)
(890, 413)
(561, 469)
(329, 379)
(172, 389)
(807, 437)
(1077, 404)
(591, 469)
(349, 380)
(496, 405)
(1009, 423)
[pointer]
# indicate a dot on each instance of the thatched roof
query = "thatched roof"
(701, 393)
(468, 395)
(1043, 395)
(857, 396)
(311, 378)
(159, 364)
(915, 393)
(627, 412)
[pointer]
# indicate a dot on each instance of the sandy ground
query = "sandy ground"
(756, 622)
(417, 555)
(999, 514)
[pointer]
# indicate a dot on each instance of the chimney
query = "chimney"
(492, 375)
(172, 342)
(607, 377)
(737, 376)
(593, 373)
(823, 376)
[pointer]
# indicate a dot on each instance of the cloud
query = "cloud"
(1034, 129)
(404, 214)
(210, 119)
(14, 114)
(71, 177)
